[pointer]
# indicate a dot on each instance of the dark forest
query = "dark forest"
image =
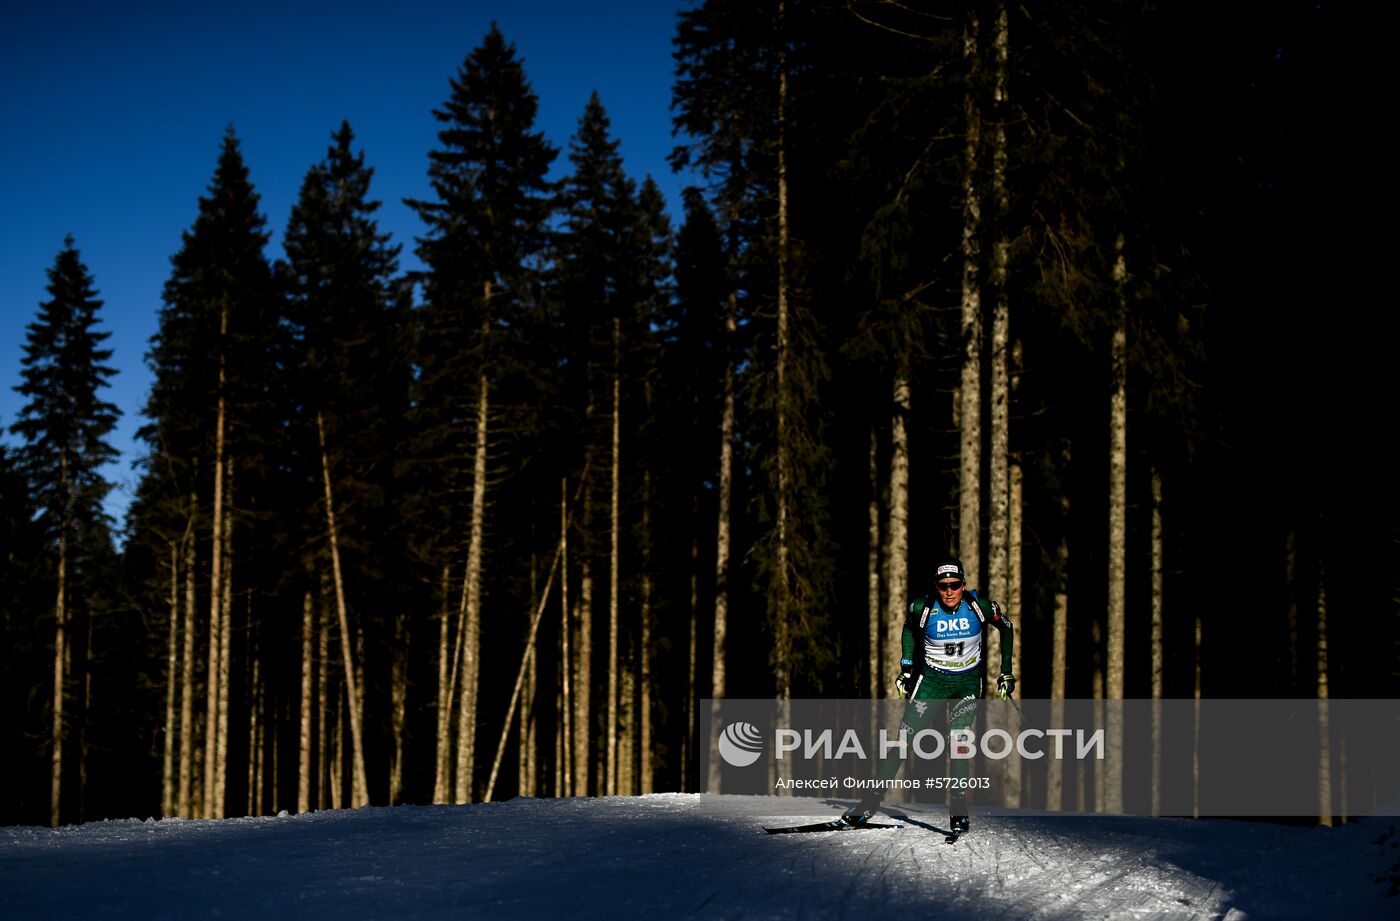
(1076, 292)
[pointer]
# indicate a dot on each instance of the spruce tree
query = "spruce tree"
(216, 412)
(595, 294)
(487, 227)
(65, 425)
(740, 70)
(351, 388)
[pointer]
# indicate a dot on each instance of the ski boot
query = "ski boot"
(861, 812)
(957, 815)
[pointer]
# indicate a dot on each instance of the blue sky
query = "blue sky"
(112, 115)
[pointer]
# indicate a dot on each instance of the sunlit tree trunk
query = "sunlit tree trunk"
(615, 510)
(529, 728)
(722, 534)
(565, 775)
(225, 592)
(970, 390)
(645, 765)
(471, 625)
(337, 760)
(60, 652)
(583, 654)
(168, 780)
(999, 464)
(361, 792)
(897, 525)
(308, 630)
(1117, 536)
(443, 781)
(184, 806)
(625, 773)
(583, 673)
(1059, 649)
(782, 497)
(530, 639)
(398, 699)
(325, 715)
(254, 738)
(211, 711)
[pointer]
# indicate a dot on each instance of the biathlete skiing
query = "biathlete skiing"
(944, 660)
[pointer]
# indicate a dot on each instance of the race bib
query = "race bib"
(952, 642)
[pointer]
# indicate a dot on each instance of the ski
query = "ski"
(833, 825)
(950, 835)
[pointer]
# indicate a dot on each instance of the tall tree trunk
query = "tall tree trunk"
(60, 652)
(525, 764)
(212, 808)
(999, 464)
(308, 630)
(524, 664)
(254, 737)
(221, 764)
(970, 390)
(1117, 535)
(1324, 729)
(325, 715)
(443, 777)
(338, 745)
(783, 499)
(615, 508)
(1196, 726)
(1158, 635)
(471, 626)
(529, 728)
(1059, 646)
(722, 533)
(875, 613)
(897, 523)
(583, 671)
(565, 776)
(398, 698)
(626, 782)
(167, 774)
(646, 781)
(351, 686)
(185, 806)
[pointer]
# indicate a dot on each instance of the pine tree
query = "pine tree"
(486, 228)
(214, 410)
(65, 425)
(352, 389)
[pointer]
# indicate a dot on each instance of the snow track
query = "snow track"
(689, 856)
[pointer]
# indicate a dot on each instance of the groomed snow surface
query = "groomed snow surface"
(693, 856)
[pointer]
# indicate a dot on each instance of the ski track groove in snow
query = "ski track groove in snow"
(690, 856)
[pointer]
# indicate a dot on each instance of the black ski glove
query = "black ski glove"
(904, 682)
